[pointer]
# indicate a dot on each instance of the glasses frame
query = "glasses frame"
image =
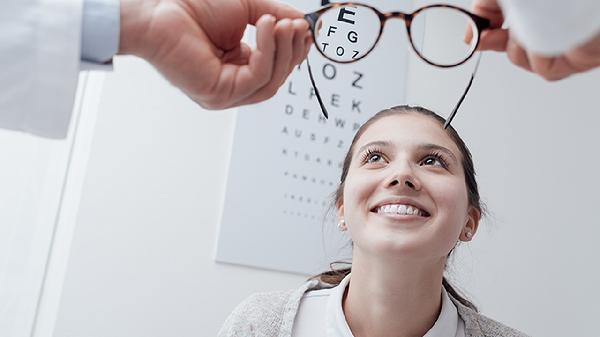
(481, 24)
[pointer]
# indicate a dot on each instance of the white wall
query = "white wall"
(142, 257)
(36, 176)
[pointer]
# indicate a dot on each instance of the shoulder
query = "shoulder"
(480, 325)
(265, 314)
(477, 324)
(493, 328)
(258, 315)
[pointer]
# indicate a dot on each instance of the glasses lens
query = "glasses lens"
(346, 34)
(438, 35)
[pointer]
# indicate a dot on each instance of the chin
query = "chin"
(399, 245)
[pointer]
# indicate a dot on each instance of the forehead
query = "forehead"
(406, 130)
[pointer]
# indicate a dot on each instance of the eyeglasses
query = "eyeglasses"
(347, 32)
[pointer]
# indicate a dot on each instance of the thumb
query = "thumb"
(257, 8)
(490, 10)
(494, 39)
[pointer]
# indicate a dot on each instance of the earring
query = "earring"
(469, 235)
(342, 225)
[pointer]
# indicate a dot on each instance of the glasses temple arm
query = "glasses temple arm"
(312, 81)
(462, 98)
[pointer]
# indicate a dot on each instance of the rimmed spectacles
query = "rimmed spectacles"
(347, 32)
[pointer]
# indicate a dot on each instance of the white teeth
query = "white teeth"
(400, 209)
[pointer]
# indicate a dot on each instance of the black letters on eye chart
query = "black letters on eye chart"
(286, 157)
(345, 21)
(314, 147)
(344, 15)
(345, 18)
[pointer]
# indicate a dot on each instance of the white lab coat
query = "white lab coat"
(551, 27)
(39, 63)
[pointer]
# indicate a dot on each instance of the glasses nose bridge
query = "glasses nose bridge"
(398, 15)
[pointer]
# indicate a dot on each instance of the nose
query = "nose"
(404, 176)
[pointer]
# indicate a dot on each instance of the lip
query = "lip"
(403, 201)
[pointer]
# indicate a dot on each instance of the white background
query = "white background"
(142, 257)
(40, 182)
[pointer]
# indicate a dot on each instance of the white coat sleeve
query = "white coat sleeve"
(39, 64)
(552, 26)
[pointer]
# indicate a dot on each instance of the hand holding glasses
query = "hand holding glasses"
(348, 32)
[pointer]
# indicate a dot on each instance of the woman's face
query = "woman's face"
(405, 193)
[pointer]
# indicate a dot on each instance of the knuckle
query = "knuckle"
(552, 77)
(513, 57)
(262, 78)
(272, 92)
(211, 104)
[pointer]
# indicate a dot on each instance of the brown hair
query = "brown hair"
(335, 276)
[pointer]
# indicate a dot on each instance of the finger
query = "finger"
(261, 59)
(285, 49)
(585, 56)
(257, 8)
(238, 56)
(299, 43)
(490, 10)
(283, 57)
(495, 39)
(517, 55)
(550, 68)
(468, 35)
(308, 42)
(238, 82)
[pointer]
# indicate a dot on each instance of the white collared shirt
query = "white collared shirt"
(321, 315)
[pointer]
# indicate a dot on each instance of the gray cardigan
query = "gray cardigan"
(272, 314)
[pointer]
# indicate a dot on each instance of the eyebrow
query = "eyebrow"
(382, 143)
(430, 146)
(425, 146)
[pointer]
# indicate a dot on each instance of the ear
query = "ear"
(340, 210)
(471, 225)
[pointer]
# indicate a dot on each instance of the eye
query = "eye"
(434, 159)
(372, 156)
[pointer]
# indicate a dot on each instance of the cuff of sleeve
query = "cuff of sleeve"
(100, 30)
(551, 29)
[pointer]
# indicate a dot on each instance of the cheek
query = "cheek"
(358, 190)
(449, 191)
(452, 204)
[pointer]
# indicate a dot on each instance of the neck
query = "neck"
(393, 297)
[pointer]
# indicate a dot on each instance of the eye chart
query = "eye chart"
(286, 158)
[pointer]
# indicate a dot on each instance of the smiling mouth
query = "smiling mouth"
(400, 209)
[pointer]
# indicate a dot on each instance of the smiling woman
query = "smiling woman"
(407, 197)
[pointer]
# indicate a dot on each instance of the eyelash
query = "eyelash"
(435, 155)
(438, 156)
(370, 152)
